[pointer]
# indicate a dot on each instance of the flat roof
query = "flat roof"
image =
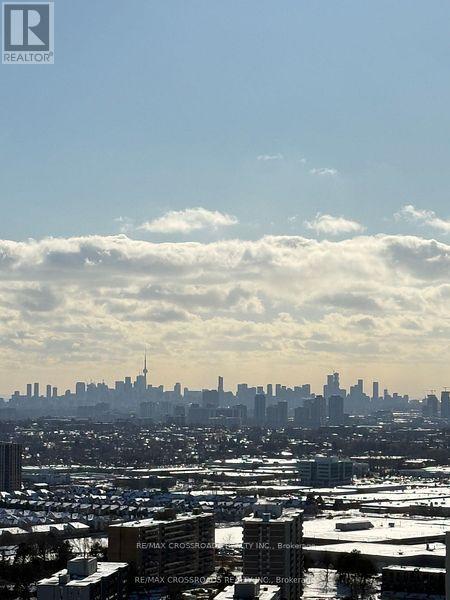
(404, 494)
(410, 568)
(382, 550)
(104, 569)
(266, 592)
(151, 521)
(403, 529)
(283, 518)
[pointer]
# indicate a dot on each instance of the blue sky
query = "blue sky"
(229, 124)
(165, 105)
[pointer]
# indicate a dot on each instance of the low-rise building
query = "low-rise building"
(325, 471)
(380, 555)
(401, 579)
(250, 589)
(86, 579)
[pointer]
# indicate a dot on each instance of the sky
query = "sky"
(255, 189)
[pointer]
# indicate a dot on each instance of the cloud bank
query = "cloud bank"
(277, 300)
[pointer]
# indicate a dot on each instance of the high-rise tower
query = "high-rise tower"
(145, 370)
(273, 547)
(10, 467)
(445, 404)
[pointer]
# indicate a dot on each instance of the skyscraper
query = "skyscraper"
(282, 413)
(445, 404)
(332, 387)
(357, 402)
(317, 411)
(210, 398)
(431, 406)
(259, 412)
(10, 467)
(271, 415)
(336, 410)
(375, 391)
(272, 547)
(80, 388)
(277, 414)
(301, 416)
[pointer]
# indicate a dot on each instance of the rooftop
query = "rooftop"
(383, 551)
(104, 569)
(248, 589)
(410, 568)
(390, 530)
(155, 521)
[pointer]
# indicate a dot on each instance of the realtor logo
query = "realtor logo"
(28, 33)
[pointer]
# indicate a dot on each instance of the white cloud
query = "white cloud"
(424, 217)
(324, 172)
(236, 304)
(266, 157)
(327, 224)
(189, 220)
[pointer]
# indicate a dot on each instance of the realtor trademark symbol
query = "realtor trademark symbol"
(28, 33)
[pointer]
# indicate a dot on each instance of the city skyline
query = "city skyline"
(331, 384)
(273, 404)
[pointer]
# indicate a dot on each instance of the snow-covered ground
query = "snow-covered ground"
(319, 585)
